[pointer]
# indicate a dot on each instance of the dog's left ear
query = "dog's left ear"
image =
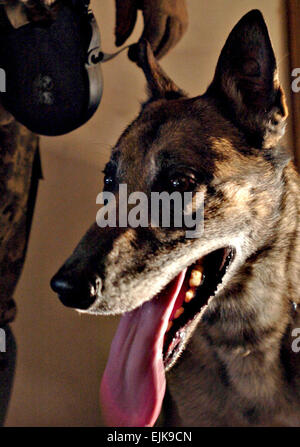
(159, 84)
(246, 82)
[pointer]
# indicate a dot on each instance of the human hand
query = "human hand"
(165, 22)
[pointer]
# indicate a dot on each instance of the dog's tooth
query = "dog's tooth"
(170, 324)
(198, 268)
(179, 312)
(190, 294)
(195, 279)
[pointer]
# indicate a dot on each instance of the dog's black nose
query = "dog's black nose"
(77, 293)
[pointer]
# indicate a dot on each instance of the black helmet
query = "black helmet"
(53, 81)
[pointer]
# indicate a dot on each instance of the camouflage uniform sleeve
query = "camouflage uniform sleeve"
(19, 175)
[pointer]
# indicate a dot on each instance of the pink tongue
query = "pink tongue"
(133, 384)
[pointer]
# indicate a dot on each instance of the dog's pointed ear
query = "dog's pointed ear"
(159, 84)
(246, 82)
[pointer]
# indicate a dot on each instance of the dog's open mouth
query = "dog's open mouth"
(201, 282)
(149, 340)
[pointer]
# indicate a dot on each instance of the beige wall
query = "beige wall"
(61, 354)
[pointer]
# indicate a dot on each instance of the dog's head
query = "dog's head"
(223, 144)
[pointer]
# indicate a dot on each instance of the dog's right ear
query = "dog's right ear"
(159, 84)
(246, 84)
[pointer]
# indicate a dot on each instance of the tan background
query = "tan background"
(61, 355)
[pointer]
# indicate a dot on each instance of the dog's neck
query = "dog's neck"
(240, 344)
(266, 285)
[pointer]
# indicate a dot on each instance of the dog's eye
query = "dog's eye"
(109, 172)
(108, 181)
(181, 183)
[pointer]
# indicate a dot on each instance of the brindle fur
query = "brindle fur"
(238, 367)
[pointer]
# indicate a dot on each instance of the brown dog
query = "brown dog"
(225, 302)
